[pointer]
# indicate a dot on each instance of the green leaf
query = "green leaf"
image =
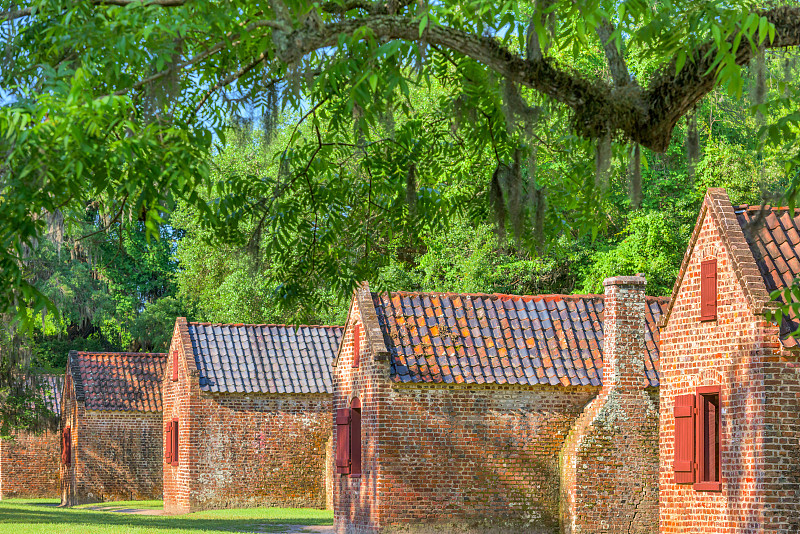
(423, 23)
(680, 61)
(763, 29)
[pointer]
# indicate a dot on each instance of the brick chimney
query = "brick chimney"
(615, 438)
(624, 333)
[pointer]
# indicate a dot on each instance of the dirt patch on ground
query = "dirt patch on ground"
(125, 510)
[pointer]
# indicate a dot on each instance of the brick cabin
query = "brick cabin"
(29, 462)
(111, 427)
(730, 379)
(247, 416)
(498, 413)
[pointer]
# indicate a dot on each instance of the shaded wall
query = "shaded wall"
(115, 455)
(243, 450)
(29, 465)
(451, 458)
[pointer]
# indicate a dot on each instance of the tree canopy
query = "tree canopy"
(545, 135)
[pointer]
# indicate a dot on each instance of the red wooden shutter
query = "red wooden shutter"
(683, 463)
(343, 441)
(356, 344)
(175, 442)
(168, 442)
(708, 290)
(66, 446)
(174, 365)
(355, 438)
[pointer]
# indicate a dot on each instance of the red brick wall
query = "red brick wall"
(115, 455)
(451, 457)
(29, 465)
(760, 459)
(243, 450)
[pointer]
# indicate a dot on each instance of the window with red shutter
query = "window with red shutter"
(175, 448)
(343, 441)
(708, 439)
(355, 438)
(66, 446)
(168, 442)
(708, 290)
(356, 345)
(174, 365)
(683, 461)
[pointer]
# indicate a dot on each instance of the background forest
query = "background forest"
(118, 290)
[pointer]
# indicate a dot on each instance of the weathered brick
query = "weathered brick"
(29, 462)
(759, 390)
(116, 453)
(439, 457)
(243, 449)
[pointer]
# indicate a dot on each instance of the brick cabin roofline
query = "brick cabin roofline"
(182, 325)
(265, 324)
(718, 205)
(374, 333)
(77, 381)
(369, 318)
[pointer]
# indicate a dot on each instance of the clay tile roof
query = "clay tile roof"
(773, 236)
(502, 339)
(118, 381)
(52, 388)
(248, 358)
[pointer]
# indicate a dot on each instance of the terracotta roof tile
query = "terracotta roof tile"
(118, 381)
(502, 339)
(50, 388)
(772, 234)
(264, 358)
(53, 388)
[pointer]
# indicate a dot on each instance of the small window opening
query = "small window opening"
(174, 365)
(708, 439)
(355, 438)
(174, 435)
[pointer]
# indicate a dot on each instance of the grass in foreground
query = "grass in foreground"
(41, 516)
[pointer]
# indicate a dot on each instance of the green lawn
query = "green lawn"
(41, 516)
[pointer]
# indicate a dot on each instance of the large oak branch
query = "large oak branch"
(671, 95)
(644, 116)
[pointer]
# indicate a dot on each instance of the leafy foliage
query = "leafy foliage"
(387, 134)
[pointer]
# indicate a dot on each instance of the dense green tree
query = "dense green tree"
(118, 101)
(544, 117)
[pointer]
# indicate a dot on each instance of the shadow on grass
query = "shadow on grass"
(243, 520)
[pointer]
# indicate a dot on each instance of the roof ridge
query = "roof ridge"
(109, 353)
(210, 323)
(759, 207)
(526, 298)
